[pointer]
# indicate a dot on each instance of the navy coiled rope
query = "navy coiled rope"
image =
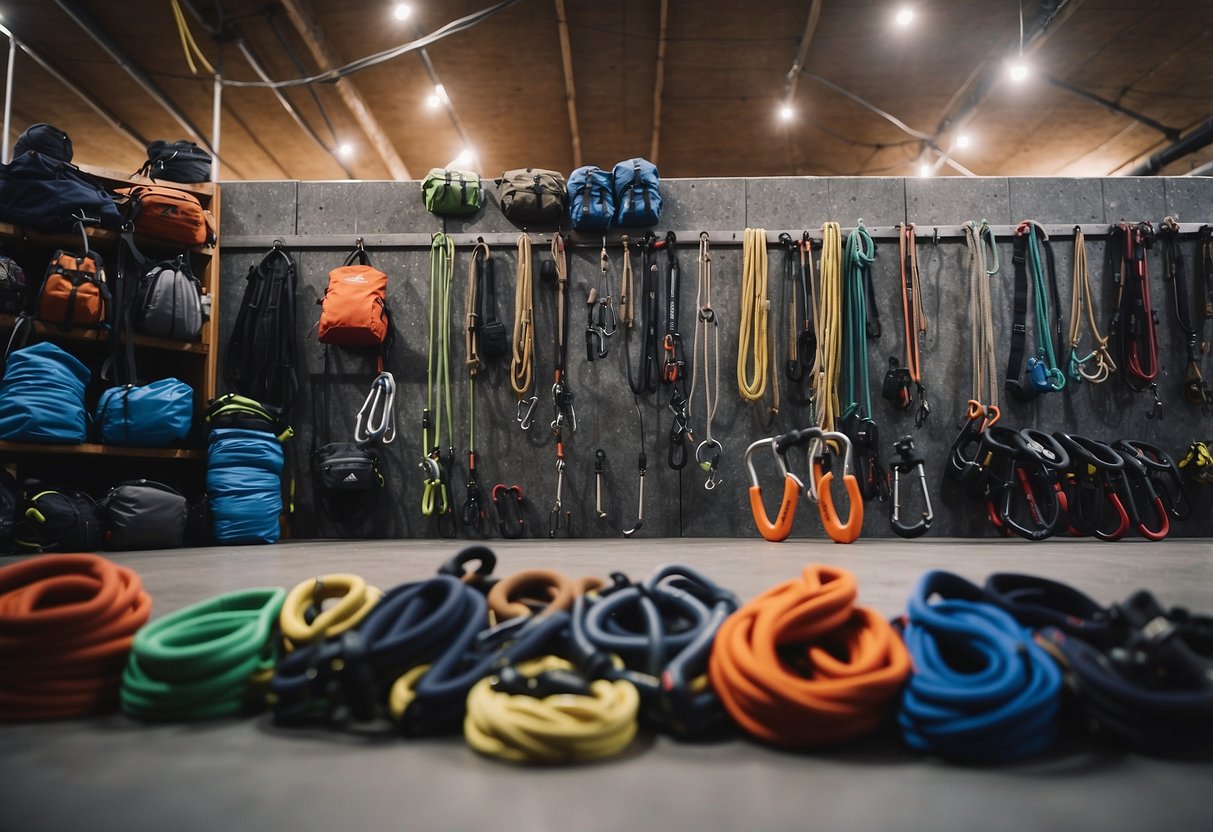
(981, 690)
(662, 632)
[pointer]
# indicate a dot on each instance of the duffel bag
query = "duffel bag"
(637, 193)
(58, 521)
(156, 415)
(451, 193)
(42, 396)
(168, 302)
(181, 161)
(532, 197)
(243, 485)
(168, 214)
(49, 195)
(591, 199)
(142, 514)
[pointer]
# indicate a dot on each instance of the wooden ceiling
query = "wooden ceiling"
(723, 81)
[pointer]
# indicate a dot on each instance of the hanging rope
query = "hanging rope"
(707, 334)
(1080, 294)
(860, 254)
(435, 498)
(913, 317)
(979, 240)
(1041, 284)
(753, 341)
(522, 358)
(472, 513)
(828, 317)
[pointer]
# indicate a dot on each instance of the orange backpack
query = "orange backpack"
(74, 291)
(168, 214)
(354, 309)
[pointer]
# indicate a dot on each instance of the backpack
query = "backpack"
(451, 192)
(74, 291)
(12, 286)
(48, 195)
(354, 308)
(637, 193)
(532, 197)
(591, 199)
(155, 415)
(181, 161)
(42, 395)
(168, 214)
(142, 514)
(261, 353)
(58, 521)
(47, 139)
(168, 302)
(235, 411)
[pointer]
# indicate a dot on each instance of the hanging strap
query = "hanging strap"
(643, 376)
(1134, 324)
(913, 316)
(860, 254)
(979, 240)
(480, 282)
(627, 300)
(435, 497)
(1080, 295)
(562, 394)
(707, 361)
(1204, 259)
(1173, 269)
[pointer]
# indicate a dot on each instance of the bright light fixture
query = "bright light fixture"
(1018, 70)
(345, 150)
(786, 112)
(905, 16)
(432, 101)
(402, 11)
(925, 169)
(465, 159)
(963, 141)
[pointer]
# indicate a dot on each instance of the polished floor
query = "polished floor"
(114, 773)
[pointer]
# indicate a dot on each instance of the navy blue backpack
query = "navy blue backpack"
(49, 195)
(591, 199)
(637, 193)
(42, 396)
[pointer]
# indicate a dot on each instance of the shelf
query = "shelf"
(122, 180)
(71, 240)
(91, 449)
(101, 336)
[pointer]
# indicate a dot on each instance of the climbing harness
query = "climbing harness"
(1195, 388)
(896, 387)
(600, 322)
(707, 362)
(376, 420)
(1080, 294)
(657, 635)
(472, 513)
(858, 328)
(673, 368)
(909, 462)
(1044, 376)
(66, 626)
(435, 498)
(828, 315)
(522, 349)
(564, 415)
(849, 662)
(642, 463)
(1134, 324)
(306, 619)
(511, 510)
(645, 376)
(754, 344)
(1004, 708)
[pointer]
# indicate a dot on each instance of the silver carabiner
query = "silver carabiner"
(525, 420)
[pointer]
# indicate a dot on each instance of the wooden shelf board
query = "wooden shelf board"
(122, 180)
(91, 449)
(80, 335)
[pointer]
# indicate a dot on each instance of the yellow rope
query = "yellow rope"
(753, 342)
(562, 728)
(356, 599)
(829, 332)
(188, 44)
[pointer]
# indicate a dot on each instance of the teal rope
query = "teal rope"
(860, 254)
(1044, 339)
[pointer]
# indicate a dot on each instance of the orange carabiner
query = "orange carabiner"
(838, 531)
(792, 486)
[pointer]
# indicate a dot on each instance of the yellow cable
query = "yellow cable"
(562, 728)
(829, 332)
(355, 600)
(753, 343)
(188, 43)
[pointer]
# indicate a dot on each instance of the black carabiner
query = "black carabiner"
(908, 460)
(511, 511)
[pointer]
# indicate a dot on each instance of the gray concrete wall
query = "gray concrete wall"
(319, 221)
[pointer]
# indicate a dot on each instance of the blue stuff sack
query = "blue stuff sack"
(156, 415)
(42, 397)
(243, 485)
(637, 193)
(591, 199)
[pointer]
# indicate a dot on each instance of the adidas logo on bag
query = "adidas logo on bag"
(351, 477)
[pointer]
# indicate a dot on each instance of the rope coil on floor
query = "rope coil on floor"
(304, 619)
(208, 660)
(536, 592)
(981, 690)
(802, 666)
(66, 626)
(543, 711)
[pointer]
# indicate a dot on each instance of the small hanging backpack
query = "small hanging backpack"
(637, 193)
(168, 302)
(591, 199)
(262, 353)
(354, 308)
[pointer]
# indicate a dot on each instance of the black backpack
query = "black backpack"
(58, 521)
(142, 514)
(168, 301)
(181, 161)
(12, 286)
(262, 351)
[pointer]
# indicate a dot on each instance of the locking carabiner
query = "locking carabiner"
(839, 531)
(908, 460)
(710, 464)
(792, 486)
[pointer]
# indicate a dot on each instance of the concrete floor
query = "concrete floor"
(114, 773)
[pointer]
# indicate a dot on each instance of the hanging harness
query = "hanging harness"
(435, 499)
(522, 349)
(707, 360)
(1134, 324)
(1196, 390)
(858, 328)
(1080, 294)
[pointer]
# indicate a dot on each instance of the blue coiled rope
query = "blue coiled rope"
(981, 690)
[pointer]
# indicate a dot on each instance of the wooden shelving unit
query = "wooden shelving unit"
(91, 449)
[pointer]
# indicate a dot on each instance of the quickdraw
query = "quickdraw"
(1080, 294)
(600, 322)
(857, 422)
(1044, 376)
(909, 462)
(522, 349)
(1134, 324)
(510, 505)
(896, 387)
(1195, 388)
(435, 498)
(673, 368)
(707, 360)
(645, 376)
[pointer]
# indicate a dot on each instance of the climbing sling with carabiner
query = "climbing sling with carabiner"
(1044, 376)
(1195, 389)
(562, 395)
(857, 422)
(798, 301)
(472, 513)
(435, 499)
(1080, 294)
(896, 387)
(600, 322)
(707, 361)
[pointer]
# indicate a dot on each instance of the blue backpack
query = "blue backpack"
(591, 199)
(42, 396)
(48, 195)
(156, 415)
(637, 193)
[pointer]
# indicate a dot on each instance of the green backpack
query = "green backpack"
(451, 192)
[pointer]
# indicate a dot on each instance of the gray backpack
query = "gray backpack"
(142, 514)
(169, 302)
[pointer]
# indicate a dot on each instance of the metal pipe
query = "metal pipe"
(8, 96)
(1199, 138)
(1170, 132)
(793, 77)
(216, 110)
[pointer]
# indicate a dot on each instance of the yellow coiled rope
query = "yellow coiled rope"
(305, 620)
(753, 345)
(829, 328)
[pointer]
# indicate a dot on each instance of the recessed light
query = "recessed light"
(786, 112)
(464, 160)
(925, 169)
(1018, 71)
(963, 141)
(345, 150)
(905, 16)
(402, 11)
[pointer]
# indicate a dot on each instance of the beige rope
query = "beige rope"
(753, 346)
(1080, 293)
(471, 317)
(627, 303)
(710, 355)
(829, 328)
(522, 359)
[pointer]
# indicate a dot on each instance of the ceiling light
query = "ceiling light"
(432, 101)
(465, 159)
(963, 141)
(1018, 70)
(786, 112)
(402, 11)
(905, 16)
(925, 169)
(345, 150)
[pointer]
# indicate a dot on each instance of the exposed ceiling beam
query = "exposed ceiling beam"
(1198, 139)
(659, 83)
(90, 26)
(313, 38)
(570, 91)
(793, 78)
(1170, 132)
(445, 100)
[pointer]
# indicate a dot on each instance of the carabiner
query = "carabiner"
(792, 486)
(1136, 466)
(908, 460)
(599, 467)
(511, 514)
(555, 512)
(526, 419)
(838, 531)
(376, 419)
(709, 465)
(642, 464)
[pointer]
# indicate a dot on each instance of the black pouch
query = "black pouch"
(58, 521)
(345, 469)
(494, 339)
(143, 514)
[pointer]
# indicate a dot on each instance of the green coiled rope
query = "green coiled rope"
(859, 255)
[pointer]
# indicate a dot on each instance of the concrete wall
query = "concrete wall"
(319, 221)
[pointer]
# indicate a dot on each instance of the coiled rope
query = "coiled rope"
(829, 329)
(522, 357)
(753, 340)
(304, 618)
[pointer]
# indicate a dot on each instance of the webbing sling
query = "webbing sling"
(1196, 390)
(828, 314)
(1134, 327)
(707, 362)
(66, 626)
(522, 356)
(850, 663)
(1080, 295)
(644, 376)
(981, 252)
(435, 497)
(674, 365)
(981, 690)
(662, 632)
(753, 340)
(1044, 376)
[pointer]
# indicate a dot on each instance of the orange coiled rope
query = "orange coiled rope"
(66, 625)
(802, 666)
